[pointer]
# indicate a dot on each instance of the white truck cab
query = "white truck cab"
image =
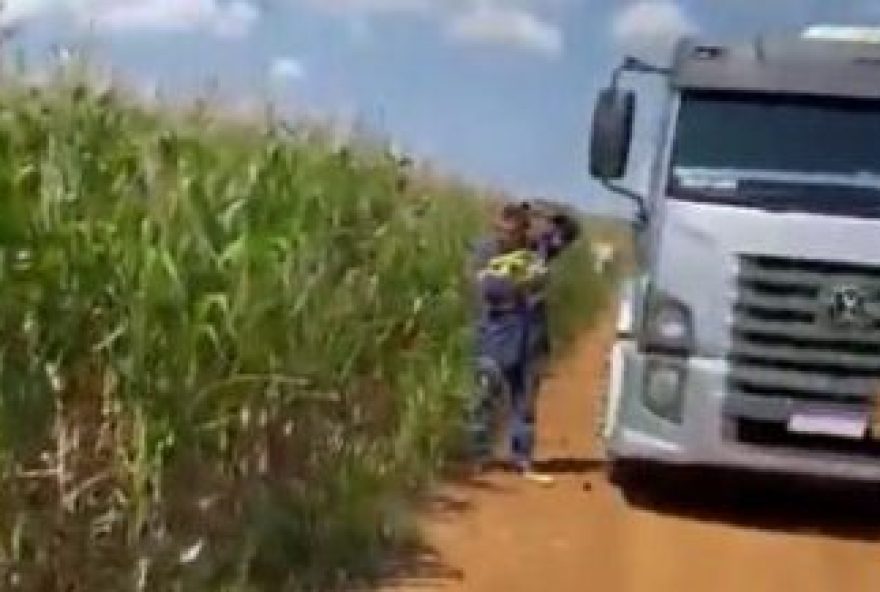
(751, 337)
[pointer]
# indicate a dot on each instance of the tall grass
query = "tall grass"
(578, 292)
(227, 355)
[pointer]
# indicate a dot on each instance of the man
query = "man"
(509, 273)
(552, 234)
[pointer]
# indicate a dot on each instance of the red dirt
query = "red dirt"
(502, 534)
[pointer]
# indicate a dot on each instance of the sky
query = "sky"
(496, 91)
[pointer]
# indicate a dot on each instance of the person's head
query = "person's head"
(512, 227)
(567, 227)
(540, 222)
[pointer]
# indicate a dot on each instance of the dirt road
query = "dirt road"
(502, 534)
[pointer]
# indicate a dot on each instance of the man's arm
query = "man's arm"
(494, 290)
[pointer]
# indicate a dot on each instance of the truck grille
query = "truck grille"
(805, 330)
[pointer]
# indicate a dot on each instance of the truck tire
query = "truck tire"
(641, 484)
(622, 475)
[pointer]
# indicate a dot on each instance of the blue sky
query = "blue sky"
(498, 91)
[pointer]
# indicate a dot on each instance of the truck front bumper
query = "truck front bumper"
(705, 434)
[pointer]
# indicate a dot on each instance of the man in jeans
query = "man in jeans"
(509, 272)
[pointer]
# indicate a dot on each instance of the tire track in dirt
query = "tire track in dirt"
(501, 534)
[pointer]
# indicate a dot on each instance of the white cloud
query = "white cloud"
(512, 23)
(651, 26)
(233, 19)
(16, 11)
(507, 25)
(236, 19)
(287, 69)
(224, 19)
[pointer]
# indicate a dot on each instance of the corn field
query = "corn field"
(228, 354)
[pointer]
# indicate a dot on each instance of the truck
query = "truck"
(749, 338)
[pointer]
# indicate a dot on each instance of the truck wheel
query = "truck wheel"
(620, 473)
(639, 483)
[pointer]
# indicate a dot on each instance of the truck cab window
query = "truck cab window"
(783, 148)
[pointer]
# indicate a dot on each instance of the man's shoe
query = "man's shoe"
(539, 478)
(530, 474)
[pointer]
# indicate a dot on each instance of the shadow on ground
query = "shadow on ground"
(421, 566)
(553, 466)
(570, 466)
(761, 502)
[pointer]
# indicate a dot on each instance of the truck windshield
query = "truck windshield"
(791, 152)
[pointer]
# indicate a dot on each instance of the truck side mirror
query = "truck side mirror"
(611, 136)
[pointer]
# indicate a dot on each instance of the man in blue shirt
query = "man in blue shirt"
(510, 272)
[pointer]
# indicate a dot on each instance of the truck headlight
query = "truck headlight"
(663, 392)
(668, 326)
